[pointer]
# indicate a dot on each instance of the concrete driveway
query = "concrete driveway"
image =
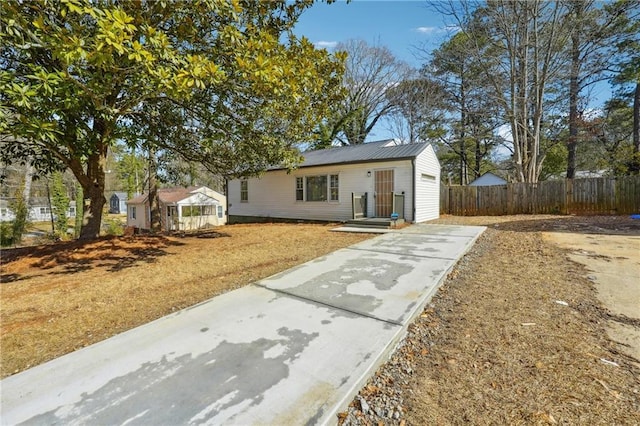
(291, 349)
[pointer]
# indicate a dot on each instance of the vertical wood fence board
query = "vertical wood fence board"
(578, 196)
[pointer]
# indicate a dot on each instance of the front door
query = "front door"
(384, 192)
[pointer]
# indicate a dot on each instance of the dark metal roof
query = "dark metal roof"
(369, 152)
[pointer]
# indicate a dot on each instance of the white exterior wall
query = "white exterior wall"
(187, 223)
(427, 181)
(141, 216)
(274, 194)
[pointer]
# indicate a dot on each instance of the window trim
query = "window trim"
(244, 191)
(332, 194)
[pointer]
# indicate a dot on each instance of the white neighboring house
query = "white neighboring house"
(182, 209)
(488, 179)
(375, 179)
(39, 210)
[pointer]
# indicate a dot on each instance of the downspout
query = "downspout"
(413, 189)
(226, 193)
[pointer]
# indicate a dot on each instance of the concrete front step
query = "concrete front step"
(374, 223)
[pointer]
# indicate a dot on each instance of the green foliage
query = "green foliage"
(223, 83)
(21, 211)
(59, 205)
(6, 234)
(131, 169)
(555, 162)
(113, 226)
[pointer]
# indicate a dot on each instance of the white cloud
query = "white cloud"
(326, 44)
(427, 30)
(437, 30)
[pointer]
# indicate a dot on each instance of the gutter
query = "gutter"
(413, 189)
(226, 194)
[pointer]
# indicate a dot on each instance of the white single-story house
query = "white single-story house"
(39, 210)
(118, 203)
(182, 209)
(372, 180)
(488, 179)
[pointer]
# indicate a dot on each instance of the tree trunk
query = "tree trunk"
(93, 184)
(94, 202)
(154, 202)
(79, 210)
(635, 162)
(572, 143)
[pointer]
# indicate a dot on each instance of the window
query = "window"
(207, 210)
(427, 177)
(188, 211)
(333, 188)
(317, 188)
(3, 212)
(244, 191)
(132, 212)
(45, 210)
(220, 212)
(299, 189)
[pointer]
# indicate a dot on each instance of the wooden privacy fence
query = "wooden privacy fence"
(579, 196)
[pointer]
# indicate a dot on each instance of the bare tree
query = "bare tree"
(519, 47)
(418, 103)
(370, 72)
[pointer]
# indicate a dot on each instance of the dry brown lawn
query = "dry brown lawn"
(515, 335)
(58, 298)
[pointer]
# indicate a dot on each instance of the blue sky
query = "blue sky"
(405, 27)
(402, 26)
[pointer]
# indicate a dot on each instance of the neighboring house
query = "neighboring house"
(6, 214)
(375, 179)
(488, 179)
(118, 203)
(39, 210)
(182, 209)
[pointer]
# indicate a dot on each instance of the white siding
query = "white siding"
(140, 220)
(427, 186)
(274, 194)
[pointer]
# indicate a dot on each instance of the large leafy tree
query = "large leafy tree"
(77, 75)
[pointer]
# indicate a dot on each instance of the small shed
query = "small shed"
(118, 203)
(488, 179)
(181, 209)
(372, 180)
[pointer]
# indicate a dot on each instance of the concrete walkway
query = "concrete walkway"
(291, 349)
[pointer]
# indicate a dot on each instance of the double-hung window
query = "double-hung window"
(318, 188)
(244, 191)
(299, 189)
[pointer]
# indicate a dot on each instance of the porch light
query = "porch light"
(368, 173)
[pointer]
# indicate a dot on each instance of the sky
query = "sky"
(407, 28)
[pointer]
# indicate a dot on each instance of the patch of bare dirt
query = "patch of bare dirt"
(58, 298)
(515, 335)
